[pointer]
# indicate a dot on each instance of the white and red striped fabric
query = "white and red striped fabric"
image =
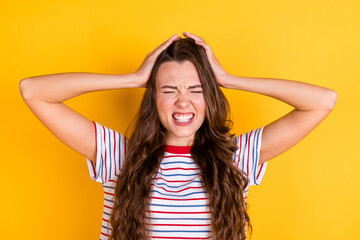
(179, 204)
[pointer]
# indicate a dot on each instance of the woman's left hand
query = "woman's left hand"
(219, 71)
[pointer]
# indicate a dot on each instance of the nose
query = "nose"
(183, 100)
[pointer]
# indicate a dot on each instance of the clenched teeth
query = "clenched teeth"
(183, 117)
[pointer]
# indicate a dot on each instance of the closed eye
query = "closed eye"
(168, 92)
(196, 91)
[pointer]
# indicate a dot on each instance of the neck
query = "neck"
(179, 141)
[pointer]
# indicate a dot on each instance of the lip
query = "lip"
(183, 113)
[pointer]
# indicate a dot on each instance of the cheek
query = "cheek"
(200, 104)
(163, 105)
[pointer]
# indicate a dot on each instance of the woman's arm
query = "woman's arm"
(56, 88)
(302, 96)
(44, 95)
(312, 104)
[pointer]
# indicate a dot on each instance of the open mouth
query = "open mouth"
(183, 117)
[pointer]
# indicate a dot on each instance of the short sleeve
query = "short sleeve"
(110, 154)
(248, 154)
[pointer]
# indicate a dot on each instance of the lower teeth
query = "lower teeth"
(183, 120)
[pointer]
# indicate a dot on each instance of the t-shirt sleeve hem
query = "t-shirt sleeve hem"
(95, 171)
(259, 170)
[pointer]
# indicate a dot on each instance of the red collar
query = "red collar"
(178, 149)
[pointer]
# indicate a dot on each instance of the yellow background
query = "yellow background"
(308, 192)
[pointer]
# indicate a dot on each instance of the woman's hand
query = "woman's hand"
(219, 71)
(145, 69)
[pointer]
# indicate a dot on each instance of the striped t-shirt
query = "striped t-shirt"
(179, 205)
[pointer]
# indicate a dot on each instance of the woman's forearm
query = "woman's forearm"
(63, 86)
(302, 96)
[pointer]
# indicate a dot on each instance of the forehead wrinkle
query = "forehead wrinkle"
(181, 75)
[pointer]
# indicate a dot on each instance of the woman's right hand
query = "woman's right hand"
(145, 69)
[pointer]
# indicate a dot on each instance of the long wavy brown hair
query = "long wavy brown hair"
(212, 151)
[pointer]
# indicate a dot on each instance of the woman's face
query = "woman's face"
(180, 101)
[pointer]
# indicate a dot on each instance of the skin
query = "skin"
(178, 90)
(44, 95)
(312, 104)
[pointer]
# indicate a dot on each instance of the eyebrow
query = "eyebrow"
(174, 87)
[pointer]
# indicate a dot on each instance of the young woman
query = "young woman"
(181, 174)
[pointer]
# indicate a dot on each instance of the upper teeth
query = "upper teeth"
(183, 117)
